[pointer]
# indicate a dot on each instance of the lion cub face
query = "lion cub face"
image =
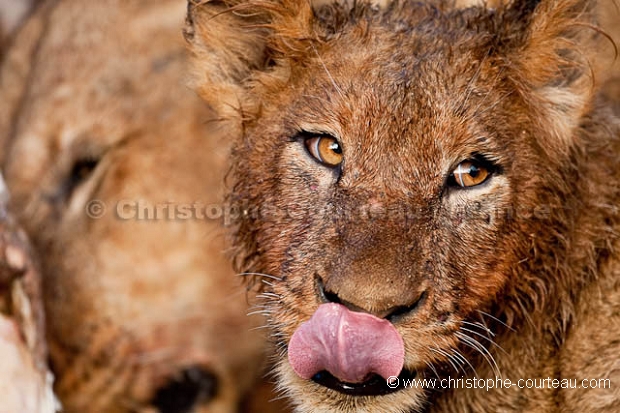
(389, 174)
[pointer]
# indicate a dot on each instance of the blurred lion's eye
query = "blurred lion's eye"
(469, 174)
(80, 171)
(325, 149)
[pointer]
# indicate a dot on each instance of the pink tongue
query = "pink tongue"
(349, 345)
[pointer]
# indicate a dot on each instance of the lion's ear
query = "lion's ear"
(225, 50)
(233, 41)
(550, 48)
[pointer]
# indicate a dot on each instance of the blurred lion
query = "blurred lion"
(114, 177)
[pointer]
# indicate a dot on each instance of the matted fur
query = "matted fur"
(521, 273)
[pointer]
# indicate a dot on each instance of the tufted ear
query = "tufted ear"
(233, 42)
(550, 47)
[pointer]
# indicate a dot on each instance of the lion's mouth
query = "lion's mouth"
(375, 385)
(350, 352)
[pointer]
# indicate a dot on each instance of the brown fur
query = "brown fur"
(410, 90)
(609, 71)
(129, 303)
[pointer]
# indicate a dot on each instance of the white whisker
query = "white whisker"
(496, 319)
(433, 369)
(475, 345)
(480, 326)
(327, 71)
(259, 274)
(483, 337)
(447, 356)
(462, 357)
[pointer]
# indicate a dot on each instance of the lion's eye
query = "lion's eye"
(80, 172)
(82, 169)
(325, 149)
(470, 173)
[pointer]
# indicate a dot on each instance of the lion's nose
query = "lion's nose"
(185, 390)
(390, 310)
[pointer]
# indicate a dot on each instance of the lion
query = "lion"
(111, 175)
(431, 192)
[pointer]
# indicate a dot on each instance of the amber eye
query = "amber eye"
(325, 149)
(470, 173)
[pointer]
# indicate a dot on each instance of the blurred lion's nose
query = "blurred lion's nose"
(186, 390)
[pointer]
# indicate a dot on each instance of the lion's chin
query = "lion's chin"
(375, 385)
(313, 396)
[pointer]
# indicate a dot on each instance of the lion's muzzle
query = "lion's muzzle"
(349, 345)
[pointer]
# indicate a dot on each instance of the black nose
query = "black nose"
(183, 392)
(392, 314)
